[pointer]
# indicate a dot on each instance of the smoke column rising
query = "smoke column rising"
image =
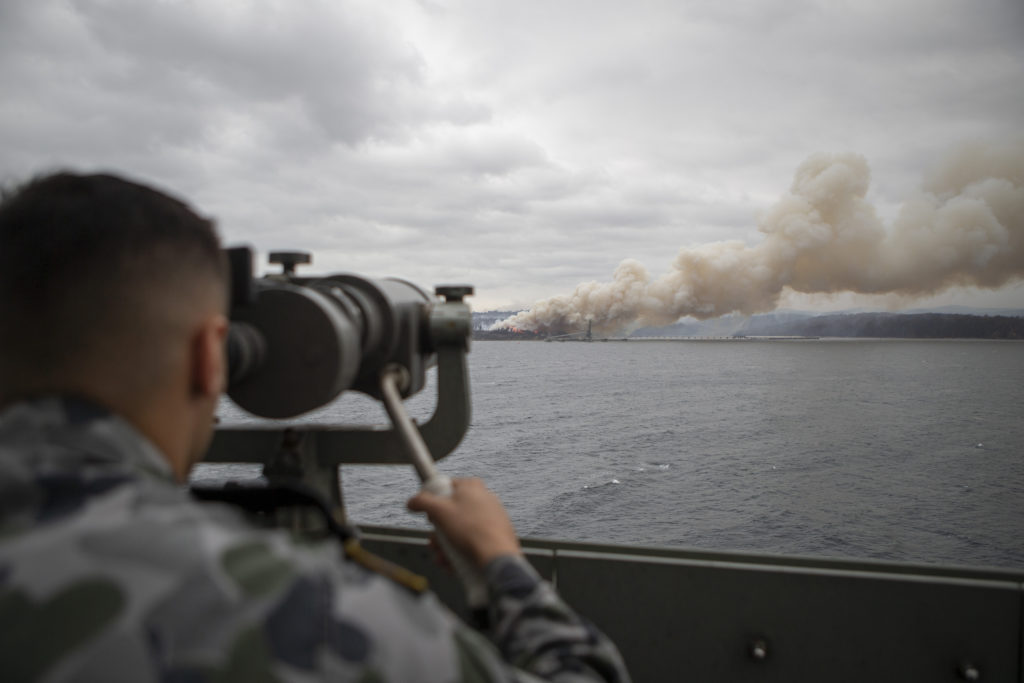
(966, 227)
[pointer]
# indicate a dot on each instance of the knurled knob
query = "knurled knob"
(290, 259)
(454, 292)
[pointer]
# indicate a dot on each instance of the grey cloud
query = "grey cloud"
(126, 81)
(530, 145)
(347, 73)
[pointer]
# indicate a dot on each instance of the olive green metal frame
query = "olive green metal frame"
(685, 615)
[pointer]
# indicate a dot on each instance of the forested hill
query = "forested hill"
(911, 326)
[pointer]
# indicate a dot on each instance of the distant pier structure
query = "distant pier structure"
(576, 336)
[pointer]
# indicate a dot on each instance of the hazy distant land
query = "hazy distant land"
(1007, 324)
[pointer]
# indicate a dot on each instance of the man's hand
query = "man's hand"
(473, 520)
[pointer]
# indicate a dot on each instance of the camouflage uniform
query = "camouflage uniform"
(109, 571)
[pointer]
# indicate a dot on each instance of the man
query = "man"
(112, 326)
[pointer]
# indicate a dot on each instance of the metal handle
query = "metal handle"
(433, 481)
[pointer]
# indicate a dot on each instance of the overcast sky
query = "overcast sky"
(519, 146)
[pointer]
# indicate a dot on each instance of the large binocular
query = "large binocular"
(296, 343)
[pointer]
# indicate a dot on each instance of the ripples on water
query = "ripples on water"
(905, 450)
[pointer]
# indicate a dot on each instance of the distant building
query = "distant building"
(484, 320)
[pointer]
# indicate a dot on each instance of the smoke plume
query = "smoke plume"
(966, 227)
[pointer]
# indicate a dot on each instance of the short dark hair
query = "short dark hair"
(81, 257)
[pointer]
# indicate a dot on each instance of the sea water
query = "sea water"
(901, 450)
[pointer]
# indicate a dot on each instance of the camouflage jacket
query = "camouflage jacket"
(109, 571)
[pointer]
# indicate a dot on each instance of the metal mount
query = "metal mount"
(312, 453)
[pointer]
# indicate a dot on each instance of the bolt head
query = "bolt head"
(969, 672)
(759, 650)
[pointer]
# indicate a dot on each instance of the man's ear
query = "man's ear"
(209, 364)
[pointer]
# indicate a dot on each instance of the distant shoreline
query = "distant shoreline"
(776, 340)
(907, 326)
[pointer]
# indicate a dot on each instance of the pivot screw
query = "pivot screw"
(454, 293)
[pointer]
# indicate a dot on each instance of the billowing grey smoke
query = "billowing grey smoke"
(966, 227)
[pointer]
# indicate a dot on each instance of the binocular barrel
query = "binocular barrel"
(297, 343)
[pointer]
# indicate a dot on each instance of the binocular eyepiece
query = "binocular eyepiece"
(296, 343)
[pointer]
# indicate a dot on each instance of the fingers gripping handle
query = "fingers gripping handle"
(471, 577)
(434, 482)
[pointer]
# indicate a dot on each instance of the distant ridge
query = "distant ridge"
(967, 310)
(848, 323)
(946, 322)
(895, 325)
